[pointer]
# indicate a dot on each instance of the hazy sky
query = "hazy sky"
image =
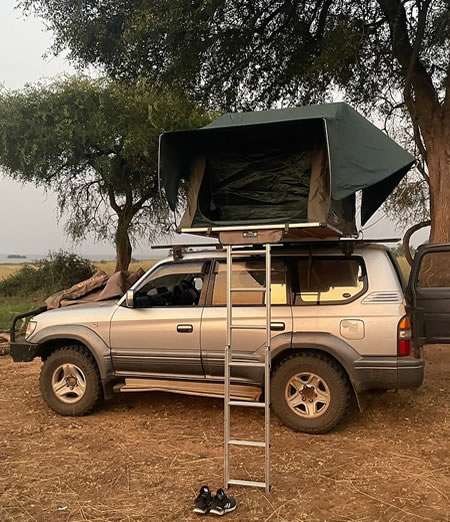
(27, 215)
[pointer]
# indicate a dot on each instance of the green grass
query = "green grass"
(11, 306)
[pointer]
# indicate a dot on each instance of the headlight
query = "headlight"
(31, 327)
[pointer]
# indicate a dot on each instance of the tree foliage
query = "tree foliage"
(95, 143)
(247, 53)
(388, 57)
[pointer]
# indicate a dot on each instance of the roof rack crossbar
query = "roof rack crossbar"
(186, 245)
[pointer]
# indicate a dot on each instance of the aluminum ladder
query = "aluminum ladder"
(230, 363)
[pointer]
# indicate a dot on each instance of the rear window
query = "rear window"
(250, 274)
(328, 280)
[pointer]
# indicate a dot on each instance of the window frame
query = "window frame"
(203, 293)
(295, 277)
(212, 282)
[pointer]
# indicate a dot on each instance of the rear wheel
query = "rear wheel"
(310, 393)
(69, 381)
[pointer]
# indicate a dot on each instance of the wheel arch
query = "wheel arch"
(337, 351)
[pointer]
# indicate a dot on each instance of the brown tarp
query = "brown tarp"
(99, 287)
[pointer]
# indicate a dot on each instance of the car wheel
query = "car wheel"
(310, 393)
(69, 381)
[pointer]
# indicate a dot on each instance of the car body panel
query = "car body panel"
(146, 340)
(247, 345)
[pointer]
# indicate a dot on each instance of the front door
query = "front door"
(248, 309)
(429, 295)
(161, 333)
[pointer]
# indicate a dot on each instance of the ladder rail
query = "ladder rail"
(229, 363)
(267, 361)
(227, 420)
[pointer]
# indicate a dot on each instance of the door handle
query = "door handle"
(185, 328)
(277, 326)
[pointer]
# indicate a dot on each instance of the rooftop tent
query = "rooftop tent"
(298, 165)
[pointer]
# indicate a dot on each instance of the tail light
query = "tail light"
(404, 337)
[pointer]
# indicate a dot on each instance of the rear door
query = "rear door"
(428, 295)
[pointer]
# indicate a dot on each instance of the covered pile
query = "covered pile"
(99, 287)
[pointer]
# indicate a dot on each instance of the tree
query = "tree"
(95, 142)
(388, 56)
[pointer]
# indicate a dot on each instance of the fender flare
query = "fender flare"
(85, 336)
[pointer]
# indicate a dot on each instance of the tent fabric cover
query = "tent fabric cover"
(281, 166)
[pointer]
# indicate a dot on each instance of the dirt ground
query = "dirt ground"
(143, 457)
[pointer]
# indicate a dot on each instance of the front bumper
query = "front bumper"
(384, 373)
(22, 351)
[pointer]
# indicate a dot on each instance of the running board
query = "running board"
(203, 389)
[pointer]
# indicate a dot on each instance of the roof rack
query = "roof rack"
(347, 244)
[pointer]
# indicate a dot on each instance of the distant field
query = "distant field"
(107, 266)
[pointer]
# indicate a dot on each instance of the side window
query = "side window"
(249, 274)
(328, 280)
(434, 271)
(177, 284)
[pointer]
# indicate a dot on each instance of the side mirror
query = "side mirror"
(129, 299)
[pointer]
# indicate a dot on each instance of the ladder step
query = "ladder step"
(248, 327)
(251, 483)
(248, 364)
(253, 443)
(247, 252)
(242, 289)
(249, 404)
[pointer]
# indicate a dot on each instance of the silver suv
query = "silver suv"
(339, 322)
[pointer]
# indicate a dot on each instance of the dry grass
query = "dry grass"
(404, 266)
(109, 266)
(142, 457)
(9, 269)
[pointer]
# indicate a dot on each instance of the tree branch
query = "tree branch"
(323, 19)
(414, 72)
(112, 200)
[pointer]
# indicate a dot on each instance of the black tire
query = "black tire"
(79, 356)
(329, 372)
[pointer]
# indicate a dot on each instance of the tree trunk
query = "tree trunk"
(123, 244)
(438, 160)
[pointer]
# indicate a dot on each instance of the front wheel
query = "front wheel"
(69, 381)
(310, 393)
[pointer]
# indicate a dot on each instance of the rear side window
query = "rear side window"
(328, 280)
(249, 274)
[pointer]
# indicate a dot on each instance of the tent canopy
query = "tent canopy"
(242, 148)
